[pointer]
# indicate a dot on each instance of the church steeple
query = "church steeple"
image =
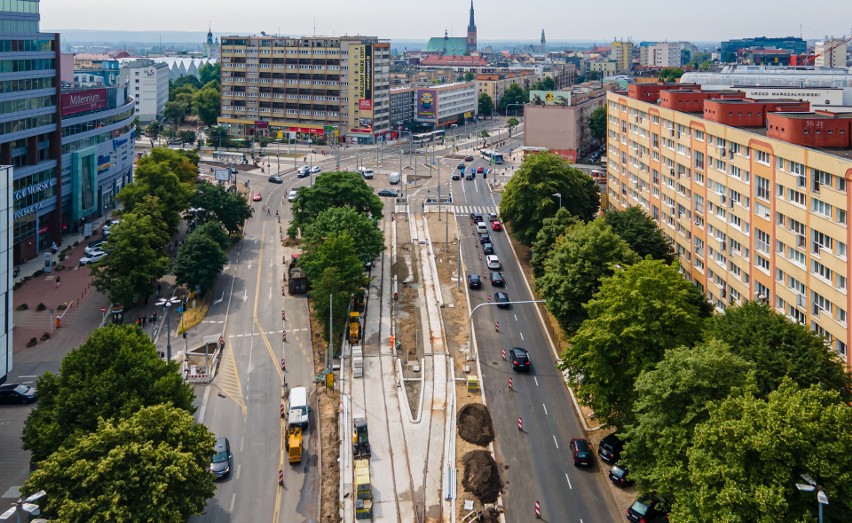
(543, 42)
(471, 27)
(471, 32)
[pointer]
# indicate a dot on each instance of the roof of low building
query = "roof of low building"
(455, 45)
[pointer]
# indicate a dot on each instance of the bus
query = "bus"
(492, 156)
(225, 156)
(418, 139)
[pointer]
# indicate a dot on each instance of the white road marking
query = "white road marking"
(233, 500)
(545, 409)
(569, 482)
(245, 295)
(555, 442)
(239, 468)
(28, 376)
(516, 317)
(535, 380)
(522, 335)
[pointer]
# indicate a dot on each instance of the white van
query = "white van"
(297, 407)
(394, 178)
(366, 173)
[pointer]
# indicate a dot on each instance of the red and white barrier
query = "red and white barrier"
(520, 424)
(537, 510)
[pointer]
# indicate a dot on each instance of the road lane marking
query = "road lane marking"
(555, 442)
(545, 409)
(233, 500)
(516, 317)
(239, 469)
(569, 481)
(535, 380)
(522, 336)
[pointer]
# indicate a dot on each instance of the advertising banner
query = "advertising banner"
(427, 103)
(550, 98)
(81, 101)
(368, 73)
(365, 105)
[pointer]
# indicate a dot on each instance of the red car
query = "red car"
(257, 197)
(496, 225)
(480, 169)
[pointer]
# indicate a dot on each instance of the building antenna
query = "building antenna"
(315, 26)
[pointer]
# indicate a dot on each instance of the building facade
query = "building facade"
(441, 106)
(752, 193)
(494, 83)
(831, 53)
(148, 83)
(29, 126)
(7, 323)
(98, 138)
(730, 48)
(563, 129)
(662, 54)
(402, 106)
(321, 89)
(622, 53)
(95, 70)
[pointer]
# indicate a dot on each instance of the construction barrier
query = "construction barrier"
(537, 510)
(281, 477)
(496, 326)
(510, 384)
(504, 359)
(283, 365)
(520, 423)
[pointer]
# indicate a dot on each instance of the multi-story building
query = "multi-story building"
(98, 137)
(444, 105)
(762, 76)
(752, 193)
(662, 54)
(402, 106)
(563, 128)
(312, 88)
(95, 70)
(494, 83)
(604, 67)
(622, 53)
(730, 48)
(148, 83)
(831, 53)
(6, 263)
(29, 126)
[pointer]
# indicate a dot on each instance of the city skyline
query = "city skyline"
(496, 19)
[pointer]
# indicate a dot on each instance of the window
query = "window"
(820, 207)
(821, 270)
(796, 285)
(841, 249)
(841, 216)
(761, 263)
(820, 303)
(699, 135)
(841, 282)
(761, 242)
(796, 196)
(762, 188)
(761, 157)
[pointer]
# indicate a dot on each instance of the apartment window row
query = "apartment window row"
(27, 84)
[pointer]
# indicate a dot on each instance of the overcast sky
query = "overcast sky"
(496, 19)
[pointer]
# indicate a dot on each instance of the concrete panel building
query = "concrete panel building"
(622, 53)
(494, 83)
(831, 53)
(753, 194)
(148, 83)
(402, 106)
(441, 106)
(563, 130)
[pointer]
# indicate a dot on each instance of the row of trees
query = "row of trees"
(190, 95)
(338, 220)
(720, 413)
(113, 435)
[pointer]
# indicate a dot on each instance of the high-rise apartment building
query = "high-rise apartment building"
(622, 53)
(752, 193)
(29, 126)
(322, 89)
(147, 82)
(663, 54)
(831, 53)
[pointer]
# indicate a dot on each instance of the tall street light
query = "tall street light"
(558, 195)
(167, 303)
(811, 486)
(24, 505)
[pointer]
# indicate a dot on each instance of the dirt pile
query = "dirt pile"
(481, 477)
(475, 424)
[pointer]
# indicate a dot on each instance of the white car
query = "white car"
(107, 226)
(492, 262)
(292, 195)
(481, 228)
(93, 258)
(316, 169)
(366, 173)
(93, 248)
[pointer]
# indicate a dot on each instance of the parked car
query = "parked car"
(492, 262)
(468, 158)
(520, 359)
(497, 279)
(480, 170)
(487, 248)
(610, 448)
(473, 281)
(618, 475)
(648, 509)
(220, 463)
(275, 179)
(294, 192)
(316, 169)
(16, 393)
(502, 300)
(93, 258)
(496, 225)
(93, 247)
(390, 193)
(257, 197)
(580, 452)
(107, 226)
(366, 173)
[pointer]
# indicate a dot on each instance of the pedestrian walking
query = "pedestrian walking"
(268, 212)
(57, 282)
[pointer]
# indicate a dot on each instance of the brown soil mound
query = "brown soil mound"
(475, 424)
(481, 477)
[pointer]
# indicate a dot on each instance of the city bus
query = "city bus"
(225, 156)
(418, 139)
(492, 156)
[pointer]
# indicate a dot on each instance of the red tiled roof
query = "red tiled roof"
(454, 60)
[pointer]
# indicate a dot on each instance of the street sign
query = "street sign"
(103, 310)
(222, 175)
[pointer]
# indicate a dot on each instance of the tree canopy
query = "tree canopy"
(212, 202)
(640, 232)
(670, 74)
(207, 102)
(545, 238)
(333, 189)
(639, 313)
(597, 123)
(529, 195)
(199, 261)
(209, 72)
(369, 240)
(151, 466)
(486, 105)
(513, 95)
(112, 375)
(159, 179)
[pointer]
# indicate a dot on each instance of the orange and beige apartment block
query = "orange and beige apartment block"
(752, 193)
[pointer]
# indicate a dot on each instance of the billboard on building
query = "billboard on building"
(427, 103)
(365, 104)
(368, 72)
(81, 101)
(550, 98)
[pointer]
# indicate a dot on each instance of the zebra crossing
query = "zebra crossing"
(465, 210)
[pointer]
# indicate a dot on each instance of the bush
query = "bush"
(45, 336)
(33, 342)
(22, 307)
(40, 307)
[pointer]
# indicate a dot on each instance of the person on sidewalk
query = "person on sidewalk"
(57, 282)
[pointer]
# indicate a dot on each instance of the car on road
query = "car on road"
(220, 463)
(520, 359)
(474, 281)
(93, 247)
(496, 225)
(497, 279)
(492, 262)
(487, 248)
(502, 300)
(256, 197)
(492, 216)
(461, 167)
(484, 238)
(390, 193)
(610, 448)
(95, 257)
(480, 170)
(11, 393)
(581, 453)
(303, 172)
(470, 175)
(108, 226)
(394, 178)
(468, 158)
(316, 169)
(618, 475)
(480, 228)
(475, 217)
(275, 179)
(456, 175)
(294, 192)
(366, 173)
(648, 509)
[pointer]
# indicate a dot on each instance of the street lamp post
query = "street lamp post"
(558, 195)
(472, 341)
(822, 498)
(167, 303)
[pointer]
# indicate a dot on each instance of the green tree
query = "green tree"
(199, 261)
(639, 312)
(514, 94)
(153, 130)
(511, 123)
(216, 231)
(746, 458)
(529, 196)
(157, 180)
(333, 189)
(640, 232)
(545, 238)
(112, 375)
(217, 136)
(486, 105)
(187, 136)
(151, 466)
(779, 348)
(209, 72)
(212, 202)
(469, 76)
(484, 134)
(545, 84)
(151, 207)
(207, 103)
(184, 163)
(671, 74)
(184, 84)
(597, 123)
(369, 239)
(671, 400)
(134, 262)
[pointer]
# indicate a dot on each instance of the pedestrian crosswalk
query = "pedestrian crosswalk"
(465, 210)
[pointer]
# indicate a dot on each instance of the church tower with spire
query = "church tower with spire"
(543, 42)
(471, 32)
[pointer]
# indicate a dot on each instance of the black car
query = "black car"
(610, 448)
(461, 166)
(220, 464)
(647, 509)
(484, 238)
(497, 279)
(468, 158)
(470, 175)
(15, 393)
(502, 300)
(473, 281)
(618, 475)
(456, 175)
(520, 359)
(487, 248)
(390, 193)
(581, 453)
(475, 217)
(275, 179)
